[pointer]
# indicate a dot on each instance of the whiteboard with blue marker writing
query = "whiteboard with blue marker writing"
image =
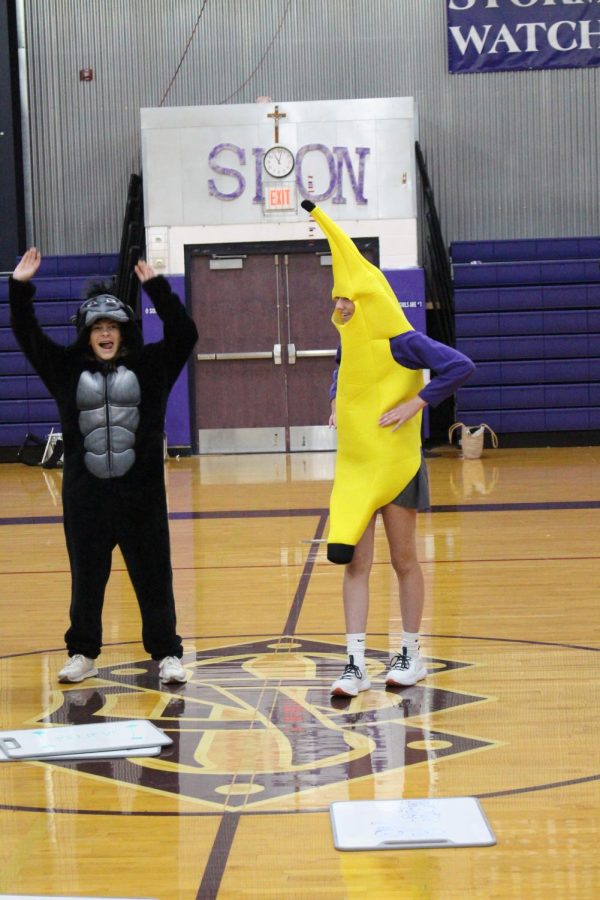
(41, 743)
(409, 824)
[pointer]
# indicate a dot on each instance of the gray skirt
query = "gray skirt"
(416, 493)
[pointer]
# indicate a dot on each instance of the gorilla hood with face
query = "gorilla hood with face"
(102, 304)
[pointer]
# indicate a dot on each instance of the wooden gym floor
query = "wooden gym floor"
(238, 807)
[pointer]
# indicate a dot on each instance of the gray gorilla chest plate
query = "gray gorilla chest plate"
(108, 420)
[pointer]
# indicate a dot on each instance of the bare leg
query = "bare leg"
(407, 667)
(356, 608)
(400, 528)
(356, 582)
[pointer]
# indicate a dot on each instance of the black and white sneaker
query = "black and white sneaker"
(405, 670)
(351, 681)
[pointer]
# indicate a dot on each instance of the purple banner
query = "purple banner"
(409, 287)
(509, 35)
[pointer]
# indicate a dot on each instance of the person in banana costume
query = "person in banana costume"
(377, 400)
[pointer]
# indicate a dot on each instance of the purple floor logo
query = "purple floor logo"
(255, 723)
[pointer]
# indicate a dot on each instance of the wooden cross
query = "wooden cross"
(277, 116)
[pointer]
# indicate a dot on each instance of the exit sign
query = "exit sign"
(280, 196)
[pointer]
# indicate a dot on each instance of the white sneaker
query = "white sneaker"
(405, 670)
(170, 670)
(77, 668)
(351, 681)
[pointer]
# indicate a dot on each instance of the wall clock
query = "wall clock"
(278, 161)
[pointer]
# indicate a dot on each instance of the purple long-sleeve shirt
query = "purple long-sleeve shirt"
(414, 350)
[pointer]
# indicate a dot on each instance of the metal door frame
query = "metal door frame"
(248, 248)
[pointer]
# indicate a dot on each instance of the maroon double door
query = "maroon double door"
(266, 350)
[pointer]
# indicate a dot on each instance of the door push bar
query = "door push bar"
(274, 354)
(294, 354)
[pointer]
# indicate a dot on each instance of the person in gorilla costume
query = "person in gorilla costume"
(112, 393)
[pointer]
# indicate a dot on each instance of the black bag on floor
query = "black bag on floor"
(31, 450)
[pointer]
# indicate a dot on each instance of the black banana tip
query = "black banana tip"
(307, 205)
(340, 553)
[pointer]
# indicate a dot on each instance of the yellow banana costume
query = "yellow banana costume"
(373, 463)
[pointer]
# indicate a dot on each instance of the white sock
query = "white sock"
(355, 646)
(410, 640)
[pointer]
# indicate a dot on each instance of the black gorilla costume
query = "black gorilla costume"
(112, 417)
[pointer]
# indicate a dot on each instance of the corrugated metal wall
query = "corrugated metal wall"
(509, 155)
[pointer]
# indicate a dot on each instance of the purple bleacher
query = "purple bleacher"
(505, 299)
(23, 387)
(7, 340)
(42, 410)
(506, 421)
(525, 323)
(514, 397)
(480, 398)
(529, 372)
(486, 373)
(13, 387)
(517, 420)
(593, 321)
(52, 312)
(467, 300)
(25, 404)
(566, 370)
(483, 349)
(36, 389)
(483, 324)
(574, 419)
(12, 411)
(61, 288)
(91, 265)
(522, 372)
(14, 364)
(13, 435)
(24, 410)
(565, 346)
(575, 271)
(513, 250)
(528, 313)
(60, 334)
(566, 395)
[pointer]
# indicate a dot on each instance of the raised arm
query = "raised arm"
(45, 355)
(180, 332)
(144, 271)
(27, 267)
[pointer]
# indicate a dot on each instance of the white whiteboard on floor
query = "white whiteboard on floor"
(103, 754)
(410, 824)
(41, 743)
